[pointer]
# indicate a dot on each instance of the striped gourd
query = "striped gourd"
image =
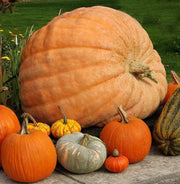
(80, 153)
(167, 129)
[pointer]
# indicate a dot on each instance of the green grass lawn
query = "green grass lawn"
(160, 18)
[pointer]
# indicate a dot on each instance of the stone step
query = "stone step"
(156, 168)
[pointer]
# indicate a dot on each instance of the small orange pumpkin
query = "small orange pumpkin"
(116, 162)
(172, 86)
(64, 126)
(37, 125)
(28, 156)
(131, 136)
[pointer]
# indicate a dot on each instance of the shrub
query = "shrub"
(12, 46)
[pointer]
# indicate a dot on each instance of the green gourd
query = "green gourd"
(80, 153)
(167, 129)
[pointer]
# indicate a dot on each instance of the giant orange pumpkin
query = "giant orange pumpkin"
(88, 61)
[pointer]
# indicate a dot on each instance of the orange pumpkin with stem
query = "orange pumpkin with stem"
(28, 156)
(90, 60)
(129, 135)
(172, 86)
(116, 162)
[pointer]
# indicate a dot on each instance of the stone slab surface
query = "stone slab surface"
(154, 169)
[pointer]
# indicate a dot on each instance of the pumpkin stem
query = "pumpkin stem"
(64, 116)
(24, 126)
(175, 78)
(84, 140)
(4, 88)
(115, 153)
(122, 113)
(141, 70)
(27, 115)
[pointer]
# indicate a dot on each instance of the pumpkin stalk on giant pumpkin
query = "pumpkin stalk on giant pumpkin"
(141, 70)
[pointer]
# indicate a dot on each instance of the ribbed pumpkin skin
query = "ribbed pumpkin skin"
(80, 60)
(28, 158)
(116, 163)
(9, 123)
(132, 139)
(167, 129)
(78, 158)
(59, 128)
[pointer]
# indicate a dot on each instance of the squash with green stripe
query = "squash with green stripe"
(167, 129)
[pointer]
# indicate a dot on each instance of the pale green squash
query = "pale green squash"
(81, 153)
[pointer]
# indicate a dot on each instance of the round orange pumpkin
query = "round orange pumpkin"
(28, 157)
(90, 60)
(129, 135)
(9, 123)
(116, 162)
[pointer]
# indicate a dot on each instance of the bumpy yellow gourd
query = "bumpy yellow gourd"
(45, 128)
(40, 126)
(64, 126)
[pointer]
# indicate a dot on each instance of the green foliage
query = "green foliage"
(3, 93)
(160, 18)
(12, 46)
(176, 44)
(7, 5)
